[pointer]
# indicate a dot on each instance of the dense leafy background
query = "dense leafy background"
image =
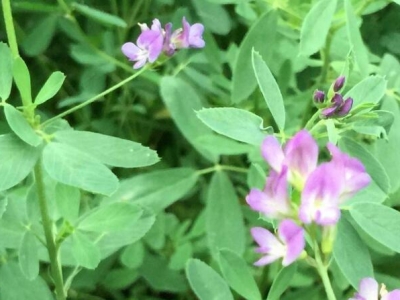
(203, 113)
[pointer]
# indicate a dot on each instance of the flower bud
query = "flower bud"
(319, 96)
(337, 86)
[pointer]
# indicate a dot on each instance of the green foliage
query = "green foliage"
(5, 71)
(281, 282)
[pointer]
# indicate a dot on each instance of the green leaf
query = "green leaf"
(14, 285)
(205, 282)
(269, 88)
(109, 150)
(370, 90)
(224, 220)
(84, 250)
(156, 190)
(238, 124)
(182, 101)
(132, 256)
(73, 167)
(6, 71)
(380, 222)
(316, 26)
(351, 254)
(99, 16)
(16, 160)
(215, 17)
(373, 166)
(67, 199)
(22, 78)
(180, 257)
(243, 79)
(221, 145)
(21, 127)
(50, 88)
(3, 204)
(237, 274)
(28, 256)
(40, 36)
(355, 38)
(112, 217)
(281, 282)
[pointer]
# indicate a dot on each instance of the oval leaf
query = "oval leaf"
(21, 127)
(22, 79)
(238, 124)
(50, 88)
(156, 190)
(84, 250)
(113, 217)
(6, 71)
(237, 274)
(270, 89)
(224, 218)
(28, 256)
(109, 150)
(67, 199)
(351, 254)
(370, 90)
(316, 26)
(282, 282)
(265, 29)
(205, 282)
(99, 16)
(16, 160)
(73, 167)
(380, 222)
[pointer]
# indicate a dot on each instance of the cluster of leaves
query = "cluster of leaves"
(204, 115)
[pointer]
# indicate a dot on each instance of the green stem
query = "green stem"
(91, 100)
(8, 20)
(323, 273)
(311, 121)
(48, 232)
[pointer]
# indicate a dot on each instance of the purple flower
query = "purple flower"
(351, 172)
(319, 96)
(300, 156)
(369, 290)
(189, 36)
(339, 107)
(289, 244)
(320, 197)
(148, 45)
(339, 82)
(273, 200)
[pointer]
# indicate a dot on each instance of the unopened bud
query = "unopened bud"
(319, 96)
(337, 86)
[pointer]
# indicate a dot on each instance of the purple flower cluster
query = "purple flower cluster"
(322, 188)
(155, 40)
(335, 106)
(369, 290)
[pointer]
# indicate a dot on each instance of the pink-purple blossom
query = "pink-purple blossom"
(300, 155)
(369, 290)
(273, 201)
(156, 40)
(288, 245)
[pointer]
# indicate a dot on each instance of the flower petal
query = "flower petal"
(130, 50)
(368, 289)
(195, 36)
(264, 238)
(393, 295)
(293, 236)
(265, 260)
(301, 154)
(272, 152)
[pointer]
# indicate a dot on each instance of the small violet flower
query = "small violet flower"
(273, 201)
(156, 40)
(339, 83)
(352, 173)
(369, 290)
(300, 155)
(289, 244)
(338, 108)
(320, 196)
(319, 96)
(148, 45)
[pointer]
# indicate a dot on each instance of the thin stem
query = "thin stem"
(8, 20)
(311, 121)
(323, 273)
(48, 232)
(221, 167)
(91, 100)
